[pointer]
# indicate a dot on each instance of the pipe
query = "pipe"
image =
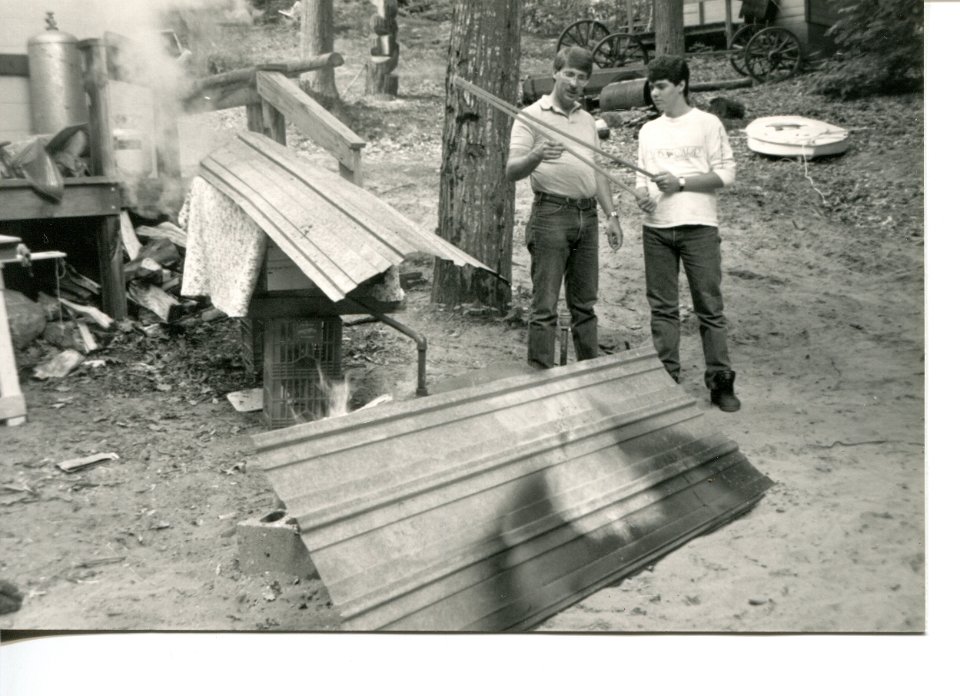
(421, 346)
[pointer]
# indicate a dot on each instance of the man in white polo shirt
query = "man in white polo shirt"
(690, 153)
(562, 234)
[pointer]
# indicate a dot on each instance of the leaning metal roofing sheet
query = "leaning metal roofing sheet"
(495, 506)
(337, 233)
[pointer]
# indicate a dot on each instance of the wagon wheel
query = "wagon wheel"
(585, 33)
(738, 42)
(617, 50)
(773, 54)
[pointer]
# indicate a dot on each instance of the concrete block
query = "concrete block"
(272, 543)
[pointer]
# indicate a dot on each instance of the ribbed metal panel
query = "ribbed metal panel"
(337, 233)
(494, 507)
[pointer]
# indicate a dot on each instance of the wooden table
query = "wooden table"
(85, 197)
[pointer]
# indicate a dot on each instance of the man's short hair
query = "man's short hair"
(575, 57)
(672, 68)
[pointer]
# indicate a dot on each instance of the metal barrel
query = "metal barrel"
(627, 94)
(56, 82)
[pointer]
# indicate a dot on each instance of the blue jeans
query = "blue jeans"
(698, 246)
(562, 240)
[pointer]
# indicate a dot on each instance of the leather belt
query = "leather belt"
(578, 203)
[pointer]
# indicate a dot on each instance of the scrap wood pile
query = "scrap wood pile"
(65, 323)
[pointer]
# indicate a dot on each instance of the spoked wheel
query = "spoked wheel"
(617, 50)
(738, 42)
(585, 33)
(773, 54)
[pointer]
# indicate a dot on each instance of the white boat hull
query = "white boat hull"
(796, 136)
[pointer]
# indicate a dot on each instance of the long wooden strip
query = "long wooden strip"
(533, 122)
(511, 110)
(309, 117)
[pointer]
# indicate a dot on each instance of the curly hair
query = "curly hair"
(671, 68)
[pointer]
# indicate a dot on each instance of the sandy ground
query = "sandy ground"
(827, 334)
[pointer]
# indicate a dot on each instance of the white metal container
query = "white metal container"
(57, 98)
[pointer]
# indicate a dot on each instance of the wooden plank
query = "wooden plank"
(82, 197)
(309, 117)
(129, 236)
(13, 408)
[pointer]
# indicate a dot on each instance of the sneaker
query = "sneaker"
(721, 393)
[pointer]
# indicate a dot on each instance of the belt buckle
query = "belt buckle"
(583, 203)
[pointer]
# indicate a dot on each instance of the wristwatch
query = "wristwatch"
(614, 214)
(683, 182)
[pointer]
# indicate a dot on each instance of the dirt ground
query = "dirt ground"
(824, 284)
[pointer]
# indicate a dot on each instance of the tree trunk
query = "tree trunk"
(668, 27)
(316, 38)
(476, 200)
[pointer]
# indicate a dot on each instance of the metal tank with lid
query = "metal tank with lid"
(57, 98)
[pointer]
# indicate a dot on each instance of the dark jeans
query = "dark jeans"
(562, 240)
(699, 248)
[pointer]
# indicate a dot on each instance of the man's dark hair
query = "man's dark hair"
(575, 57)
(672, 68)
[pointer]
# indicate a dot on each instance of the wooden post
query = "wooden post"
(385, 54)
(274, 123)
(728, 20)
(102, 160)
(317, 37)
(255, 117)
(113, 295)
(629, 16)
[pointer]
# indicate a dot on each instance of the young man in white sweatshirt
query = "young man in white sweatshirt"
(690, 154)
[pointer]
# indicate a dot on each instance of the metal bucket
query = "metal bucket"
(57, 98)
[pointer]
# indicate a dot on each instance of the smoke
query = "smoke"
(147, 54)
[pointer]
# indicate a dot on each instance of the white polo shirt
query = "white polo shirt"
(566, 175)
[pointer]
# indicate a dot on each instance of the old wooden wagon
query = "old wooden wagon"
(766, 39)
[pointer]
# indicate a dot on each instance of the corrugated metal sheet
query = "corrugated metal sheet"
(337, 233)
(494, 507)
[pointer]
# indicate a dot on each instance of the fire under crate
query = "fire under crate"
(300, 359)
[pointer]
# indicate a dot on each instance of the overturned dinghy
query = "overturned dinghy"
(495, 506)
(796, 136)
